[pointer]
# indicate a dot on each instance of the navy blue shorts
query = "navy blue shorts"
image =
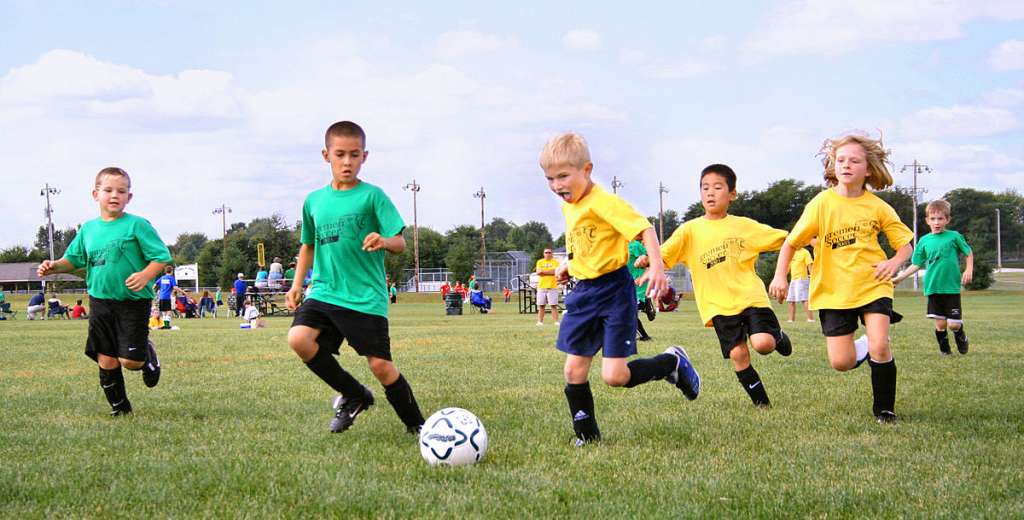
(600, 314)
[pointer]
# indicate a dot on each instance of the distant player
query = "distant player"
(601, 310)
(938, 252)
(800, 282)
(121, 253)
(547, 286)
(166, 286)
(852, 279)
(346, 227)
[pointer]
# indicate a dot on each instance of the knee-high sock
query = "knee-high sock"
(751, 382)
(326, 367)
(112, 382)
(883, 385)
(647, 369)
(400, 396)
(581, 408)
(942, 337)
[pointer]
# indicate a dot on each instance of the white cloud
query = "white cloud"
(457, 44)
(1008, 56)
(666, 67)
(582, 40)
(1005, 97)
(958, 121)
(828, 28)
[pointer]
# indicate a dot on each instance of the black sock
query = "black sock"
(400, 396)
(112, 382)
(646, 369)
(751, 382)
(959, 333)
(640, 329)
(942, 336)
(883, 385)
(581, 408)
(326, 367)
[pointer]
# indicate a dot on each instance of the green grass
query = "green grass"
(237, 427)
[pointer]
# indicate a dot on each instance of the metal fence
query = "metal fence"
(499, 270)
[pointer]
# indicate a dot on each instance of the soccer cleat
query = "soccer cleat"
(347, 408)
(415, 430)
(151, 370)
(580, 443)
(540, 323)
(886, 417)
(782, 344)
(644, 338)
(121, 409)
(648, 307)
(684, 377)
(961, 340)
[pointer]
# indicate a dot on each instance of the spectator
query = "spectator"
(276, 274)
(507, 293)
(445, 289)
(220, 302)
(55, 307)
(78, 312)
(206, 305)
(239, 295)
(36, 306)
(480, 300)
(290, 273)
(261, 278)
(393, 291)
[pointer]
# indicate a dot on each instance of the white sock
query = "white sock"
(861, 346)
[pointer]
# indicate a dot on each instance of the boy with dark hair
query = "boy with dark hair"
(720, 250)
(122, 253)
(166, 286)
(601, 310)
(346, 227)
(938, 252)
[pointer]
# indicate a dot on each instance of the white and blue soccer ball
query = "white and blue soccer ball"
(453, 437)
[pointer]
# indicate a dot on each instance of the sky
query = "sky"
(211, 103)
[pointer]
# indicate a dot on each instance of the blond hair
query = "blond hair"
(938, 206)
(114, 171)
(875, 153)
(565, 149)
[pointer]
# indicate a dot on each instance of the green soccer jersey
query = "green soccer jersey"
(937, 252)
(112, 250)
(636, 250)
(335, 222)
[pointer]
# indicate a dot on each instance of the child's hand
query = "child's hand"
(641, 261)
(887, 269)
(779, 288)
(293, 298)
(562, 273)
(45, 268)
(899, 277)
(656, 280)
(967, 278)
(136, 282)
(373, 242)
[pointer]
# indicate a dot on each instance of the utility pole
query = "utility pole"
(223, 211)
(916, 168)
(46, 192)
(616, 184)
(415, 188)
(999, 244)
(662, 189)
(483, 245)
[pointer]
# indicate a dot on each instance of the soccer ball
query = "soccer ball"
(453, 437)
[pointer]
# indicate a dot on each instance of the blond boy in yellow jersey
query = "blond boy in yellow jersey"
(800, 282)
(852, 278)
(601, 309)
(720, 250)
(547, 286)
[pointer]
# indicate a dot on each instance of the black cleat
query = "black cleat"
(648, 307)
(151, 370)
(644, 338)
(122, 409)
(961, 341)
(886, 417)
(415, 430)
(347, 409)
(782, 344)
(581, 442)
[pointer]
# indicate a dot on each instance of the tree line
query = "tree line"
(779, 205)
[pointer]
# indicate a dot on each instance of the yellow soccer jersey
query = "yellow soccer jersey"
(843, 276)
(798, 265)
(721, 255)
(546, 282)
(598, 230)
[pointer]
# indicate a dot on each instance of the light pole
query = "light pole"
(916, 168)
(223, 211)
(483, 245)
(662, 189)
(46, 192)
(616, 184)
(415, 188)
(999, 245)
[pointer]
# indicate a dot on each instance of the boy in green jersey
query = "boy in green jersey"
(121, 253)
(938, 252)
(346, 227)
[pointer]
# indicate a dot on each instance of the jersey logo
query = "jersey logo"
(729, 248)
(346, 227)
(865, 230)
(581, 239)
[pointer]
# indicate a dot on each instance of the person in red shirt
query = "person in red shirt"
(78, 312)
(508, 294)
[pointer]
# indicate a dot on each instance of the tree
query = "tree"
(461, 257)
(209, 260)
(61, 240)
(671, 221)
(19, 254)
(531, 237)
(187, 247)
(496, 234)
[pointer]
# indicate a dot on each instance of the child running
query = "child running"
(601, 309)
(852, 279)
(121, 254)
(346, 227)
(938, 252)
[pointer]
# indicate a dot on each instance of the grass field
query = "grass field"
(237, 427)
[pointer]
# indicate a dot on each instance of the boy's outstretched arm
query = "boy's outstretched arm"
(292, 297)
(887, 269)
(655, 273)
(780, 285)
(374, 242)
(48, 267)
(904, 274)
(968, 275)
(137, 281)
